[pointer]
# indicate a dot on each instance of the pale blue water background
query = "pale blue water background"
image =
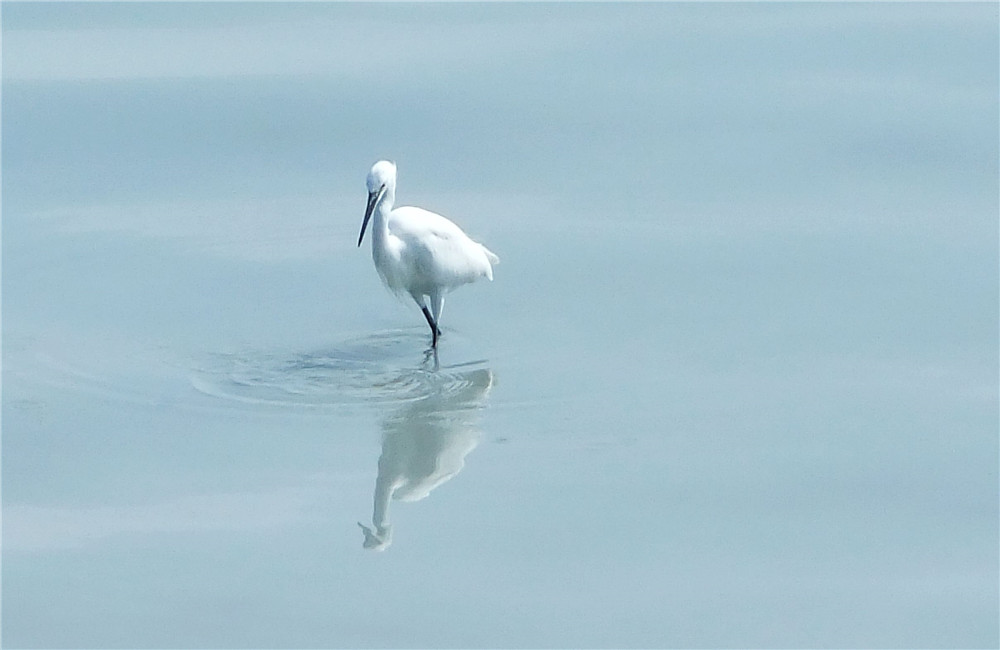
(735, 383)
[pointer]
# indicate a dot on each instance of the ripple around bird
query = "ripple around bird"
(384, 367)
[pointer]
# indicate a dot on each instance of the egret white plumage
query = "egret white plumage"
(417, 251)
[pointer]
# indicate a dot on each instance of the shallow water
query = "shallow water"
(735, 382)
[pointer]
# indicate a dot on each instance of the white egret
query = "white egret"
(417, 251)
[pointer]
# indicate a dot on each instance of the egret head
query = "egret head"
(383, 173)
(381, 182)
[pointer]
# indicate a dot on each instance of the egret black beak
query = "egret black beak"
(373, 198)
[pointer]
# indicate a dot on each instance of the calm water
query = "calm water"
(735, 382)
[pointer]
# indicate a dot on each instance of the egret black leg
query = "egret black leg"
(430, 319)
(435, 332)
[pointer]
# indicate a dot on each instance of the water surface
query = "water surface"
(735, 382)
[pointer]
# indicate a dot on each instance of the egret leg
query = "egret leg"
(434, 329)
(437, 305)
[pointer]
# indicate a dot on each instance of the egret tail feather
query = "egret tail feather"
(491, 256)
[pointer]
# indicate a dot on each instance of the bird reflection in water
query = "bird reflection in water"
(424, 444)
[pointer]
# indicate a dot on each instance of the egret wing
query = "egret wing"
(437, 251)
